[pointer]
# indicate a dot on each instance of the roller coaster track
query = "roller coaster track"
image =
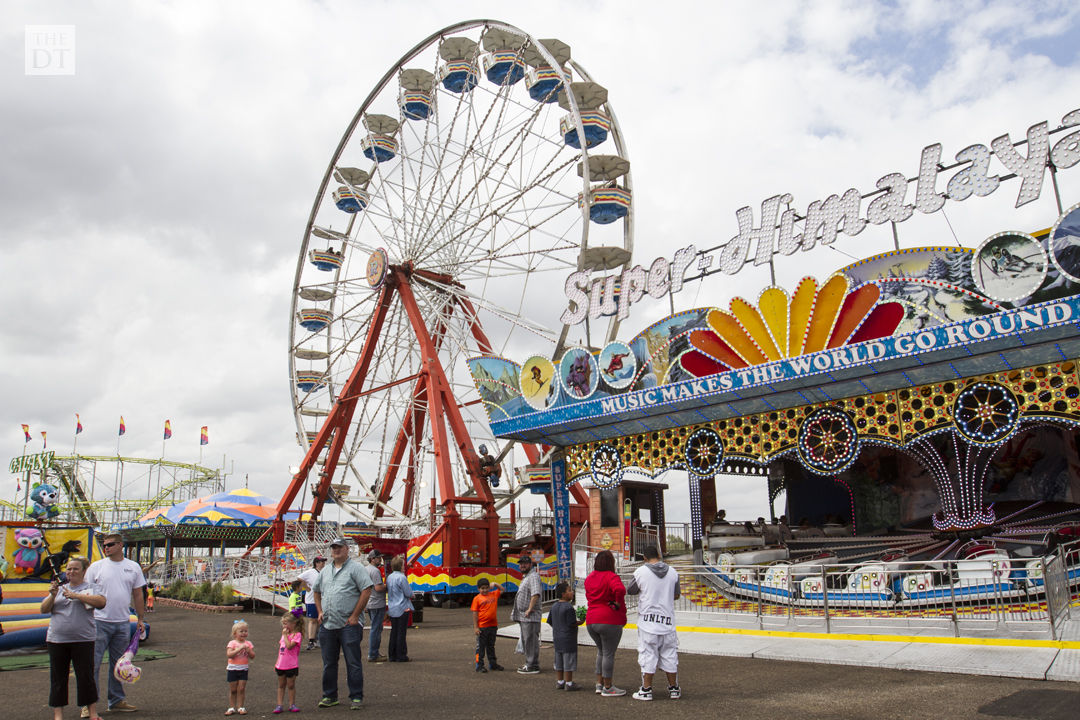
(87, 509)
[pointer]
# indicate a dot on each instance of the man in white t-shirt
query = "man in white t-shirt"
(120, 581)
(311, 615)
(657, 586)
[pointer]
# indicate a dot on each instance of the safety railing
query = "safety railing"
(1022, 594)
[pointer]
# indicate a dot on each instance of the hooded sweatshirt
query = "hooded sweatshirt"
(657, 585)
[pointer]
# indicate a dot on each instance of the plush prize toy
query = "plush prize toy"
(28, 554)
(44, 496)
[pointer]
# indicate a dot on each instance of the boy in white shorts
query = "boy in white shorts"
(657, 586)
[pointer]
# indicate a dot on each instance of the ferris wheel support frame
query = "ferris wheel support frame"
(442, 408)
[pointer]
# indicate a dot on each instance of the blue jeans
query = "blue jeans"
(347, 639)
(114, 637)
(376, 616)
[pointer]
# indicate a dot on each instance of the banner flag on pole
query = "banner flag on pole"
(26, 432)
(123, 428)
(204, 437)
(44, 441)
(78, 424)
(168, 430)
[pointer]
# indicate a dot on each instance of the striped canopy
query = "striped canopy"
(232, 506)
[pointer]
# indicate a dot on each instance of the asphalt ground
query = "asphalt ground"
(440, 682)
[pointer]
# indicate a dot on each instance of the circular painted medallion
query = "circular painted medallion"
(538, 382)
(376, 267)
(617, 365)
(986, 413)
(1009, 266)
(606, 466)
(1065, 243)
(828, 442)
(704, 452)
(578, 373)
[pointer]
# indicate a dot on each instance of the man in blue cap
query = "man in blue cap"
(341, 594)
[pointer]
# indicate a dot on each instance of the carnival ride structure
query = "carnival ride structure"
(903, 375)
(114, 490)
(458, 195)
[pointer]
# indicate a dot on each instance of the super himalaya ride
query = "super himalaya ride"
(942, 377)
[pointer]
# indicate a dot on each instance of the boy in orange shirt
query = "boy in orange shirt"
(485, 623)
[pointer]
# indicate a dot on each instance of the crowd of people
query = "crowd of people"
(90, 606)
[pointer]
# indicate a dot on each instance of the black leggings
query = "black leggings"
(81, 656)
(398, 649)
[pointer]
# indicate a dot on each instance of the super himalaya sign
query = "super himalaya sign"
(823, 220)
(937, 338)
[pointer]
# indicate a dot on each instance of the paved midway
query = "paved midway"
(440, 682)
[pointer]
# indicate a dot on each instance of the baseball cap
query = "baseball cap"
(318, 558)
(374, 554)
(339, 541)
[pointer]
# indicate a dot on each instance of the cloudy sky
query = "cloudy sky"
(153, 203)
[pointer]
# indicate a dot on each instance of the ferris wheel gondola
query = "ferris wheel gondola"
(439, 233)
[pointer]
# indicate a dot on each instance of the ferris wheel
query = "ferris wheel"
(484, 167)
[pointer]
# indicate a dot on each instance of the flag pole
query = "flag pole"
(26, 480)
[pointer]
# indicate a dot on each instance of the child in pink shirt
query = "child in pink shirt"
(240, 652)
(288, 663)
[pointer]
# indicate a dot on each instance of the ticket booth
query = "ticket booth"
(609, 515)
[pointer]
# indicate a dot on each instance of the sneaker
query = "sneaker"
(612, 692)
(123, 706)
(599, 689)
(293, 708)
(277, 710)
(380, 658)
(560, 685)
(674, 692)
(571, 686)
(310, 644)
(356, 704)
(526, 670)
(643, 694)
(327, 702)
(481, 668)
(496, 666)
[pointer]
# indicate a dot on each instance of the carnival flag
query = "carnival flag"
(204, 438)
(26, 432)
(168, 430)
(123, 428)
(44, 441)
(78, 424)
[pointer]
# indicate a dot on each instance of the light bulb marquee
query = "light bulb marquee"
(977, 415)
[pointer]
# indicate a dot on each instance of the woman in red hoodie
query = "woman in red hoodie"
(605, 618)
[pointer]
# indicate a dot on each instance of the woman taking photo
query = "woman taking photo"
(605, 618)
(71, 636)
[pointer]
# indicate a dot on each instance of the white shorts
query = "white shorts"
(658, 649)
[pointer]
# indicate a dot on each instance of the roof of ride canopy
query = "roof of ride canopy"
(704, 399)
